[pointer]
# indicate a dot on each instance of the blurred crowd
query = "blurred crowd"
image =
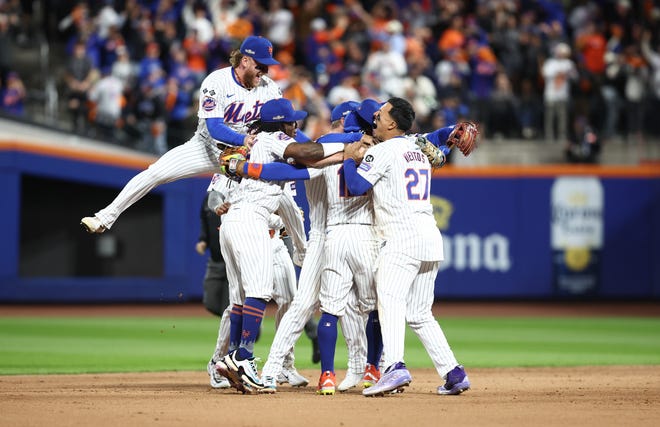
(533, 69)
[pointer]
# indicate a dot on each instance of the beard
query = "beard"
(251, 79)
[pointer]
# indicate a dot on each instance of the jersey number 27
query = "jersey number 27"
(418, 184)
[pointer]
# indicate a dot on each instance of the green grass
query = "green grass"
(31, 345)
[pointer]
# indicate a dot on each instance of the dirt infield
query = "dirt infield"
(584, 396)
(592, 396)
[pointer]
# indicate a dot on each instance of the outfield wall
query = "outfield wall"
(543, 232)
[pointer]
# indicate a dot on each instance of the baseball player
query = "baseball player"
(284, 278)
(351, 248)
(399, 175)
(244, 230)
(230, 99)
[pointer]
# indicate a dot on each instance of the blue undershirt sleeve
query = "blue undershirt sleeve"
(357, 185)
(279, 171)
(301, 136)
(439, 138)
(220, 131)
(340, 137)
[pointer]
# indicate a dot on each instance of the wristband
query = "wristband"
(331, 148)
(253, 170)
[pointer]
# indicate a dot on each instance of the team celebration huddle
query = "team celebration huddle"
(370, 258)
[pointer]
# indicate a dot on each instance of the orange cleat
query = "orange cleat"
(327, 383)
(371, 376)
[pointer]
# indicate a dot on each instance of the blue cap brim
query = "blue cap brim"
(266, 61)
(298, 115)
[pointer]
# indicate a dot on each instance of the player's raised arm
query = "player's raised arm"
(220, 131)
(353, 155)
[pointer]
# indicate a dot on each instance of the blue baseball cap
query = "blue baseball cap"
(280, 111)
(367, 109)
(351, 122)
(258, 48)
(343, 109)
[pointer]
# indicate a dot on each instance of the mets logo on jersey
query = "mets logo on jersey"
(216, 177)
(208, 104)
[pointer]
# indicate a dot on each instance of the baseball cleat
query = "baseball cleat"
(326, 383)
(457, 382)
(240, 371)
(371, 376)
(395, 377)
(91, 224)
(230, 375)
(291, 376)
(216, 380)
(351, 380)
(270, 385)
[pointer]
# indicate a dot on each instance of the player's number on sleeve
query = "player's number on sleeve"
(418, 184)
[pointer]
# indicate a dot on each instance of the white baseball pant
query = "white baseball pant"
(405, 289)
(189, 159)
(284, 284)
(305, 303)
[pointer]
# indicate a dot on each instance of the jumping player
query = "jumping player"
(230, 99)
(399, 175)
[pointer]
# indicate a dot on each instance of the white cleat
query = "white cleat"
(270, 385)
(216, 380)
(91, 224)
(291, 376)
(351, 380)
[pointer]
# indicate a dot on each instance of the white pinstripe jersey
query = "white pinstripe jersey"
(268, 148)
(344, 208)
(220, 95)
(401, 177)
(292, 218)
(317, 202)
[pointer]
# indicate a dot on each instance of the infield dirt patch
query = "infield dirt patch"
(585, 396)
(581, 396)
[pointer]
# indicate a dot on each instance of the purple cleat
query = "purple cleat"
(394, 379)
(457, 382)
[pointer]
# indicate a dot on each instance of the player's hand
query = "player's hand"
(355, 151)
(368, 140)
(200, 247)
(436, 157)
(231, 161)
(249, 140)
(222, 209)
(232, 168)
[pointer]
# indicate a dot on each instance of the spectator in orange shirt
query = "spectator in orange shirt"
(453, 37)
(592, 46)
(197, 54)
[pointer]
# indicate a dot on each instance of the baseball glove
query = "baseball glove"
(433, 153)
(230, 158)
(465, 137)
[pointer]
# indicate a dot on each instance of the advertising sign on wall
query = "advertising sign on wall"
(577, 234)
